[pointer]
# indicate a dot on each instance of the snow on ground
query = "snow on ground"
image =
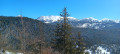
(101, 50)
(7, 52)
(88, 51)
(98, 50)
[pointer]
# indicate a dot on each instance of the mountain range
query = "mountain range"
(84, 23)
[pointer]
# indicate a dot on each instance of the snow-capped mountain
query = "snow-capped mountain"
(49, 19)
(52, 19)
(84, 23)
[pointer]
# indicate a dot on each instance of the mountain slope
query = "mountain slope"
(12, 31)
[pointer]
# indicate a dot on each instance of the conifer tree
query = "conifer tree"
(57, 39)
(63, 40)
(80, 44)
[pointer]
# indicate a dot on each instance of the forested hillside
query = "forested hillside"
(14, 34)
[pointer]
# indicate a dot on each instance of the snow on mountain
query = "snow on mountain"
(109, 20)
(52, 19)
(117, 21)
(49, 19)
(90, 19)
(19, 16)
(82, 23)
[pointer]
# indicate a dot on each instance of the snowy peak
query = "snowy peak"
(109, 20)
(90, 19)
(52, 19)
(49, 19)
(83, 23)
(106, 20)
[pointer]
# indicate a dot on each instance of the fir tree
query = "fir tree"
(80, 44)
(63, 42)
(57, 39)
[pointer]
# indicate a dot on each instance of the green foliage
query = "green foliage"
(87, 53)
(81, 45)
(63, 41)
(36, 47)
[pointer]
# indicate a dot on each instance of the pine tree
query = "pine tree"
(63, 42)
(57, 39)
(80, 44)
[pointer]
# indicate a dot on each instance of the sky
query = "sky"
(80, 9)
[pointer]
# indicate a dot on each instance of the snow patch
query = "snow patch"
(98, 50)
(7, 52)
(101, 50)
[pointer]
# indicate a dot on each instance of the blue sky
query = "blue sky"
(98, 9)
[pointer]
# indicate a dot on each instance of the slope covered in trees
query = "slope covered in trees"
(15, 37)
(11, 32)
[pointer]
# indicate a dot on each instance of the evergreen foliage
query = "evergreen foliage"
(80, 44)
(64, 42)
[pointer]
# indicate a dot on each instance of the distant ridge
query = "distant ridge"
(84, 23)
